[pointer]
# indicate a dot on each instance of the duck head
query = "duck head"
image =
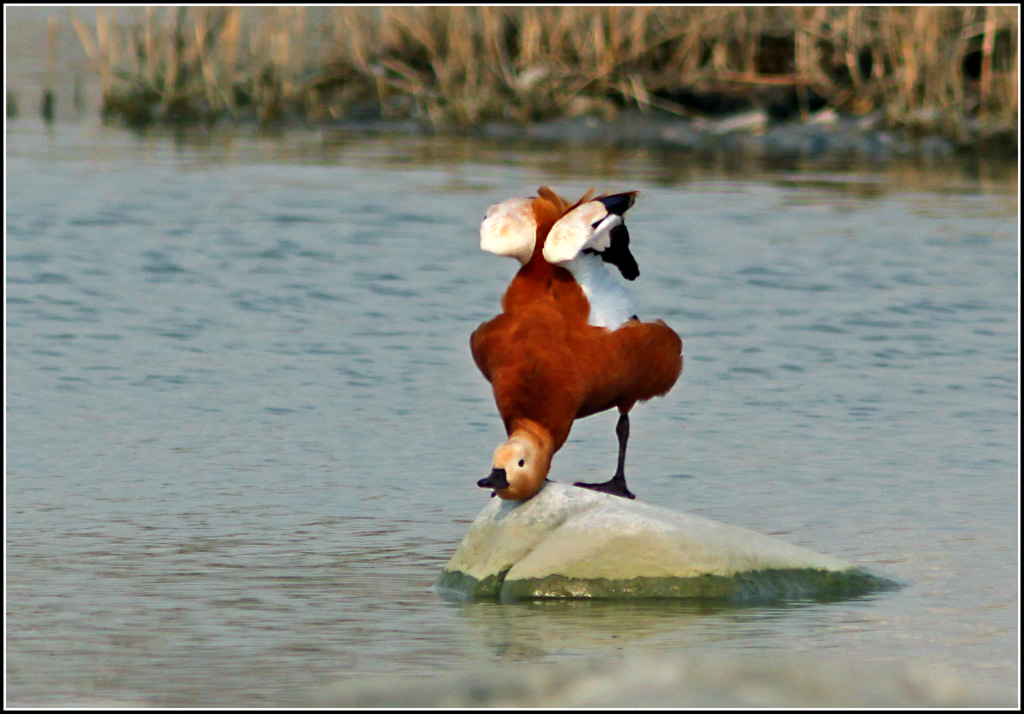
(518, 469)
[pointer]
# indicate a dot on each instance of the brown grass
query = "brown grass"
(947, 69)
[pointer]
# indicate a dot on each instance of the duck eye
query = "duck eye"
(522, 462)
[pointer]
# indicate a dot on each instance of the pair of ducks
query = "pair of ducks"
(567, 343)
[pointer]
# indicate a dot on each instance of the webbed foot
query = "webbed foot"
(615, 486)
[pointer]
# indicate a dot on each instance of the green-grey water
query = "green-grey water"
(244, 427)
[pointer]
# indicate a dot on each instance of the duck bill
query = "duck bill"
(496, 480)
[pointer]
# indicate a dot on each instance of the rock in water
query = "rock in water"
(569, 542)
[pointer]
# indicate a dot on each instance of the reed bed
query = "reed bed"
(951, 70)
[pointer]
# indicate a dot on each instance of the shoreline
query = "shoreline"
(750, 134)
(735, 145)
(662, 148)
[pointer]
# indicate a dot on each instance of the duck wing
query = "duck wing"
(510, 229)
(596, 226)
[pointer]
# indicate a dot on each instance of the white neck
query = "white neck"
(610, 304)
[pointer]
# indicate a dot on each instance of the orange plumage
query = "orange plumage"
(548, 366)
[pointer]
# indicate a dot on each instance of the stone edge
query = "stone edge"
(751, 586)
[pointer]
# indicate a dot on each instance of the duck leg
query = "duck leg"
(617, 484)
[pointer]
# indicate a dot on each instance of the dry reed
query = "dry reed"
(947, 69)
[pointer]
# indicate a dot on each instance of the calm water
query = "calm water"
(244, 427)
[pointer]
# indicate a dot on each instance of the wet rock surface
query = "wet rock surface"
(569, 542)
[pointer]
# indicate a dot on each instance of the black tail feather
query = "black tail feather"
(618, 203)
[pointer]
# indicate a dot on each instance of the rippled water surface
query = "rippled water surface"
(244, 427)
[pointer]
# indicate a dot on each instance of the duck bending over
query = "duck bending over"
(567, 343)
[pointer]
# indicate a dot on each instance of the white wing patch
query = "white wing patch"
(575, 231)
(510, 229)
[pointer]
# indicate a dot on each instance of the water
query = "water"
(244, 427)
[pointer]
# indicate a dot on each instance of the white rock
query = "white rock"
(573, 542)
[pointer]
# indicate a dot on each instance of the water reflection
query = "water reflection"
(600, 162)
(546, 629)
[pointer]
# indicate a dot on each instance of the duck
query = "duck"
(568, 342)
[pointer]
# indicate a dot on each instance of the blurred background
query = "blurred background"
(946, 70)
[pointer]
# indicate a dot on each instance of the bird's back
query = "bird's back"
(548, 364)
(633, 363)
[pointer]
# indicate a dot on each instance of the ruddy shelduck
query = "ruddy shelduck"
(567, 343)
